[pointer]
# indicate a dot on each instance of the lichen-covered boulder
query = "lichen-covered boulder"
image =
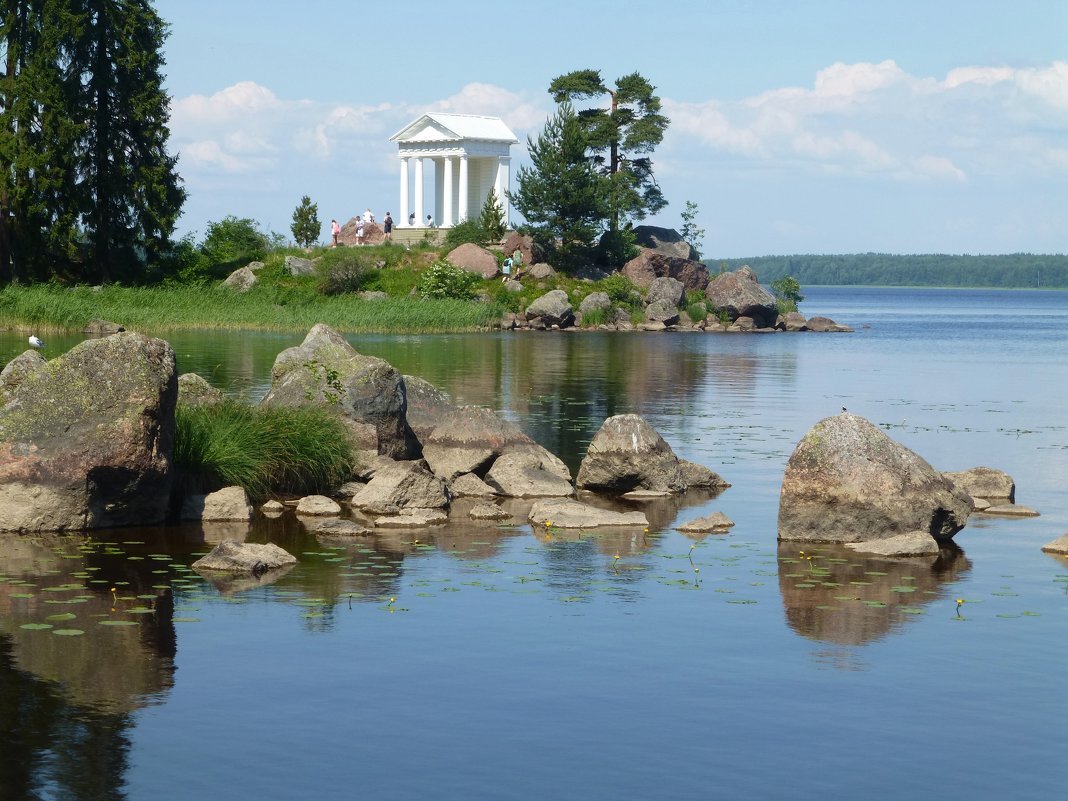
(86, 439)
(427, 406)
(666, 241)
(193, 390)
(628, 454)
(404, 485)
(552, 308)
(739, 294)
(526, 473)
(662, 311)
(595, 301)
(665, 289)
(17, 369)
(467, 440)
(229, 503)
(985, 482)
(244, 557)
(369, 394)
(649, 265)
(295, 265)
(241, 279)
(567, 513)
(847, 481)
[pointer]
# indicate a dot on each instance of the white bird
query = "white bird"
(36, 341)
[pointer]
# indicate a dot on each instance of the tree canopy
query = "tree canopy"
(87, 187)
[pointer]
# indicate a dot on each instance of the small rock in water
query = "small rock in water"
(717, 521)
(1010, 510)
(237, 557)
(318, 505)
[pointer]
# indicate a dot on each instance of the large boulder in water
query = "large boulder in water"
(739, 294)
(86, 439)
(628, 454)
(369, 394)
(847, 481)
(553, 308)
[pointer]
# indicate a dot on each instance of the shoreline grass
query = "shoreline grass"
(48, 307)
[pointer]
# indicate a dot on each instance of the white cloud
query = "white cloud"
(875, 120)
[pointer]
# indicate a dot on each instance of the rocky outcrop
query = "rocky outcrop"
(717, 521)
(666, 241)
(986, 483)
(666, 290)
(427, 406)
(102, 328)
(530, 251)
(241, 279)
(847, 481)
(195, 391)
(628, 454)
(739, 294)
(649, 265)
(404, 485)
(229, 503)
(318, 506)
(294, 265)
(552, 308)
(86, 439)
(912, 543)
(565, 513)
(17, 369)
(369, 394)
(474, 259)
(824, 325)
(527, 473)
(244, 557)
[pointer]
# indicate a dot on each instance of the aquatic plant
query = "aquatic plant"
(264, 450)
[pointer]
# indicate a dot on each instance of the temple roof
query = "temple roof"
(435, 127)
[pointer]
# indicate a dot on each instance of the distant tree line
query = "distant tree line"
(88, 191)
(1015, 270)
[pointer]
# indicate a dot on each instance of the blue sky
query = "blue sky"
(797, 127)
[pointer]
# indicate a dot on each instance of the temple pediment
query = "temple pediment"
(435, 127)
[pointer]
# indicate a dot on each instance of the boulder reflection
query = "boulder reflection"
(840, 597)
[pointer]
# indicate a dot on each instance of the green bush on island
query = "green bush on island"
(445, 280)
(344, 270)
(265, 450)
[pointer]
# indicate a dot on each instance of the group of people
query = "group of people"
(429, 221)
(513, 262)
(361, 222)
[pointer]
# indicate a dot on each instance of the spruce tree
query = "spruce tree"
(491, 218)
(561, 195)
(306, 225)
(130, 192)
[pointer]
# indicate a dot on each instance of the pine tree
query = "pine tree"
(561, 194)
(306, 225)
(620, 138)
(693, 235)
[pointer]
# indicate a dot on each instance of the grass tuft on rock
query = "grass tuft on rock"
(264, 450)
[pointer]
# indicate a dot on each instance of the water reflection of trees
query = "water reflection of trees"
(844, 598)
(66, 702)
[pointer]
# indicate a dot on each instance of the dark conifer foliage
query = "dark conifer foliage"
(88, 190)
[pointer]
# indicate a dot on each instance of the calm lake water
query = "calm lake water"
(479, 662)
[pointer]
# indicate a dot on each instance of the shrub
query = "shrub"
(232, 239)
(595, 317)
(343, 270)
(787, 293)
(621, 291)
(464, 232)
(445, 280)
(264, 450)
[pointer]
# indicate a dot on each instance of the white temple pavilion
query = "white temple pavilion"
(470, 155)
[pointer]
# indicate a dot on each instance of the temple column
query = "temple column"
(404, 191)
(501, 185)
(420, 219)
(446, 214)
(461, 214)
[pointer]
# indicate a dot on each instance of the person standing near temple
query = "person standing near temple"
(387, 226)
